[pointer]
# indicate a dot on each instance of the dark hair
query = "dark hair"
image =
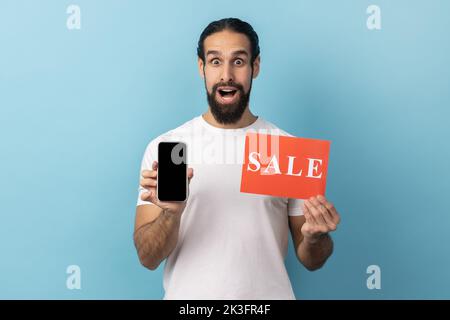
(232, 24)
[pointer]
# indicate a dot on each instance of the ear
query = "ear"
(256, 65)
(200, 67)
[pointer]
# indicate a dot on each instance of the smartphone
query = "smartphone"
(172, 181)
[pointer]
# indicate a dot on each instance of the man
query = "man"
(221, 243)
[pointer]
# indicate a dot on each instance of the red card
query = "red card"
(284, 166)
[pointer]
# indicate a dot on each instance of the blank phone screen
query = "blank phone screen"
(172, 171)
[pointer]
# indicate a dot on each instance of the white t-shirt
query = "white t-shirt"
(231, 245)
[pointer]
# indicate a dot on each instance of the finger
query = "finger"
(308, 215)
(327, 217)
(326, 212)
(146, 195)
(315, 211)
(147, 183)
(149, 173)
(152, 198)
(155, 165)
(190, 173)
(331, 209)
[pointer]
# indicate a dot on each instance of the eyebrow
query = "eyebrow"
(236, 53)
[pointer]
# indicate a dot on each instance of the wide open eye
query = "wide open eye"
(215, 61)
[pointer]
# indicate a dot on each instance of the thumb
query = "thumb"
(153, 199)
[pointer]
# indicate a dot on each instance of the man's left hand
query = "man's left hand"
(321, 218)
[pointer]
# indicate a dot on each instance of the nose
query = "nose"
(227, 73)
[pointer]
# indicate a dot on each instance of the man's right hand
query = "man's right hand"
(149, 182)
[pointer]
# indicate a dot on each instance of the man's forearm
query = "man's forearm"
(154, 241)
(313, 254)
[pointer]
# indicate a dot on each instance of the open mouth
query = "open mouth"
(227, 94)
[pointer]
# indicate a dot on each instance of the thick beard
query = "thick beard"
(230, 113)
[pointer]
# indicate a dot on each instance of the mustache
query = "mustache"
(233, 84)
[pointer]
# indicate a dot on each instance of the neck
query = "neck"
(247, 119)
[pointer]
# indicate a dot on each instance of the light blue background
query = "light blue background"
(77, 109)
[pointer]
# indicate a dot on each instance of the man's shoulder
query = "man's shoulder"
(273, 128)
(183, 129)
(174, 134)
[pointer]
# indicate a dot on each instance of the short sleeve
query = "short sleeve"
(146, 164)
(295, 207)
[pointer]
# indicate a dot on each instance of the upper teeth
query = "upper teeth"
(227, 90)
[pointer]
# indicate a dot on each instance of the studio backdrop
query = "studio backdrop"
(86, 85)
